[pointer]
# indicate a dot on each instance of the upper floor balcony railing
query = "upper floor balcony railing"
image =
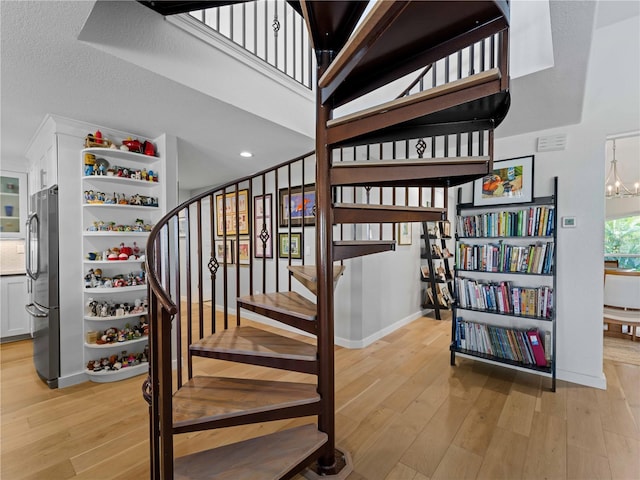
(270, 29)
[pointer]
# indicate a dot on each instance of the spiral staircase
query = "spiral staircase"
(354, 58)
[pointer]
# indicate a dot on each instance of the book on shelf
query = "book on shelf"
(502, 257)
(504, 297)
(527, 222)
(522, 345)
(424, 271)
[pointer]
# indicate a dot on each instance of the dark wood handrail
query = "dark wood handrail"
(152, 278)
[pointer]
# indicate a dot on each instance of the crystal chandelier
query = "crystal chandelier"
(614, 186)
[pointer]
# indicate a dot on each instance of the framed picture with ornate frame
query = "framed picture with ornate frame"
(262, 218)
(511, 181)
(294, 247)
(294, 207)
(232, 215)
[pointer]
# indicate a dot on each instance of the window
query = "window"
(622, 241)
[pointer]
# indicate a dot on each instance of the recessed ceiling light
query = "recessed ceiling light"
(246, 154)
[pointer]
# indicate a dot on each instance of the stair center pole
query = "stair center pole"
(324, 266)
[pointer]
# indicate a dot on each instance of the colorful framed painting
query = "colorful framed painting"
(244, 251)
(294, 247)
(262, 226)
(296, 208)
(511, 181)
(231, 215)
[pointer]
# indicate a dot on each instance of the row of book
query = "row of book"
(526, 346)
(503, 297)
(529, 222)
(501, 257)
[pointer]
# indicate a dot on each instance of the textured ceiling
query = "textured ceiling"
(46, 69)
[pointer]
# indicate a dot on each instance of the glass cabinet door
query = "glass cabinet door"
(13, 204)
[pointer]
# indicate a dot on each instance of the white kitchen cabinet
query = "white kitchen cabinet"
(13, 204)
(14, 321)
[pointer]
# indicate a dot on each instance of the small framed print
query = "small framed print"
(224, 255)
(244, 251)
(511, 181)
(404, 233)
(291, 247)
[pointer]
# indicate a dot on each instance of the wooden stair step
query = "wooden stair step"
(258, 347)
(394, 40)
(290, 308)
(270, 457)
(215, 402)
(428, 172)
(307, 275)
(368, 213)
(343, 249)
(413, 116)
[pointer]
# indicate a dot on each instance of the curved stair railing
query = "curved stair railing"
(212, 263)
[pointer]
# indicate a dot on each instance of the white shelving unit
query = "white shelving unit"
(108, 226)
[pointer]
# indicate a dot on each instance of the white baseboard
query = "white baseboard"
(582, 379)
(365, 342)
(73, 379)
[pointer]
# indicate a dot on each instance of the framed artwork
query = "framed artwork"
(301, 211)
(284, 247)
(226, 214)
(244, 251)
(511, 181)
(220, 251)
(262, 219)
(404, 233)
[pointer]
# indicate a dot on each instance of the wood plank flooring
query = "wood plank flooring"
(402, 412)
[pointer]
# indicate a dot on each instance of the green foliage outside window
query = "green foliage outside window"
(623, 236)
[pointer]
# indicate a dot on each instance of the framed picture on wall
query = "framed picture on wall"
(511, 181)
(233, 215)
(297, 206)
(224, 257)
(404, 233)
(244, 253)
(262, 235)
(293, 247)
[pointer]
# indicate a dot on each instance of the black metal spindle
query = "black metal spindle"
(199, 251)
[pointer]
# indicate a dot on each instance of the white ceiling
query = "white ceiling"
(45, 69)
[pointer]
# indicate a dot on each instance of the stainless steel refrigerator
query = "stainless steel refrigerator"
(42, 267)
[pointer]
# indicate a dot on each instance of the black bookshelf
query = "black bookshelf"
(517, 320)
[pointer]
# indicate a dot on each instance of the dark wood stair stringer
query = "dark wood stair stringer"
(372, 213)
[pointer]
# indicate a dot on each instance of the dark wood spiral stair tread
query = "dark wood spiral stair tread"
(344, 249)
(255, 458)
(415, 110)
(395, 39)
(372, 213)
(428, 172)
(258, 347)
(290, 308)
(213, 402)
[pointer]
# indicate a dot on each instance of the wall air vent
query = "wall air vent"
(552, 143)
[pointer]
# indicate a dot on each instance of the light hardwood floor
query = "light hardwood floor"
(402, 412)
